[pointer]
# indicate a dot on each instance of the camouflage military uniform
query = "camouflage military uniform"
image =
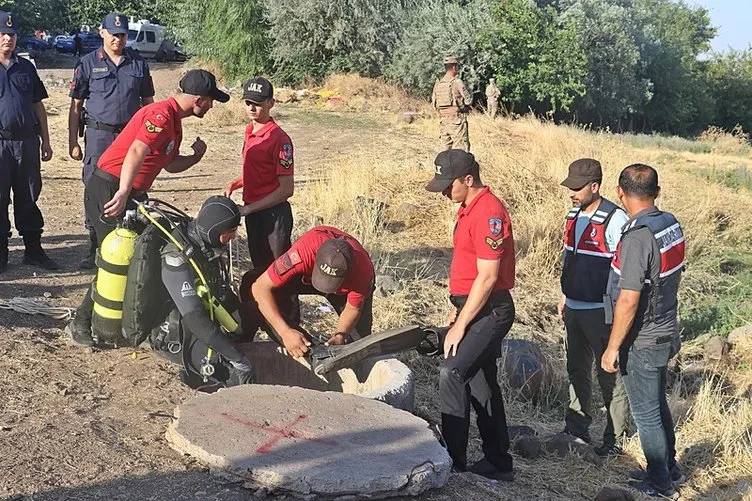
(492, 96)
(452, 100)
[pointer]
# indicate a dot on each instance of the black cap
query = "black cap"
(202, 83)
(332, 264)
(257, 90)
(217, 215)
(115, 23)
(451, 164)
(582, 172)
(8, 22)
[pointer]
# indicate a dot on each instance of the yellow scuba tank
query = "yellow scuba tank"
(113, 258)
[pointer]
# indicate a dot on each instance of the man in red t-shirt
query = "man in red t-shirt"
(126, 170)
(323, 261)
(267, 179)
(480, 277)
(147, 145)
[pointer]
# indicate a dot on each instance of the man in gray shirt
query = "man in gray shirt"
(642, 288)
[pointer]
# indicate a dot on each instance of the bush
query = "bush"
(314, 38)
(232, 33)
(434, 29)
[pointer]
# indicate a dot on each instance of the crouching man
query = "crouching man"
(324, 261)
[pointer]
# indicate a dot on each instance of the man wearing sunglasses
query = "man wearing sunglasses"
(115, 82)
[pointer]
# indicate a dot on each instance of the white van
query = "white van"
(150, 41)
(145, 37)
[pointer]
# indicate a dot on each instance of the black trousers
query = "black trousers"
(20, 174)
(470, 378)
(269, 232)
(99, 190)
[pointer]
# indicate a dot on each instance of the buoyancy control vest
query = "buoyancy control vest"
(587, 263)
(147, 302)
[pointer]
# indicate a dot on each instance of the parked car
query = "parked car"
(31, 43)
(90, 41)
(65, 44)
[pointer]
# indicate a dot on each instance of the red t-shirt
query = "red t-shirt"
(483, 230)
(267, 154)
(300, 261)
(159, 126)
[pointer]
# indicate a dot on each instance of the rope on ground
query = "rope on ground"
(36, 307)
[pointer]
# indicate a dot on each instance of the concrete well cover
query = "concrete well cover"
(307, 442)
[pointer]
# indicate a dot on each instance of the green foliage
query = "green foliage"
(232, 33)
(434, 29)
(312, 38)
(536, 55)
(674, 36)
(730, 78)
(609, 34)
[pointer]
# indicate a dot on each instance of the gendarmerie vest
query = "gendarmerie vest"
(660, 287)
(587, 263)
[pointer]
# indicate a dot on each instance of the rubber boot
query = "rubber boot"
(35, 255)
(79, 329)
(89, 262)
(3, 254)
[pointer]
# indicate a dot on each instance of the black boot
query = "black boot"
(3, 254)
(35, 255)
(89, 262)
(79, 329)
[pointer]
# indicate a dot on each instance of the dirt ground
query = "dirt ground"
(89, 424)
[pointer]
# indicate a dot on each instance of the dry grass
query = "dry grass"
(408, 231)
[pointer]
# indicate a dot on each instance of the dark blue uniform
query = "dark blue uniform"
(20, 89)
(113, 95)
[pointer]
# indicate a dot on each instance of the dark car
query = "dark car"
(64, 43)
(30, 43)
(90, 41)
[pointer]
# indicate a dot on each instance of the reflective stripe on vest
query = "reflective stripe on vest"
(585, 270)
(670, 239)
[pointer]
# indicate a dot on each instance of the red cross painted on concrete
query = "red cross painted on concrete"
(278, 432)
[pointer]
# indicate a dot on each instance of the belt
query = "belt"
(501, 296)
(105, 175)
(96, 124)
(114, 179)
(9, 135)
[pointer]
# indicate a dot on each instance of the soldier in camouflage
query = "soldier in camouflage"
(452, 100)
(492, 97)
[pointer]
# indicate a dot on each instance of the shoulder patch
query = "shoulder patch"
(285, 156)
(495, 226)
(494, 243)
(286, 262)
(152, 128)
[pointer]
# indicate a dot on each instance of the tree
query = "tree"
(232, 33)
(610, 36)
(730, 78)
(312, 38)
(437, 28)
(674, 35)
(536, 55)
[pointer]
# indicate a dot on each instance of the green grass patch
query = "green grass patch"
(729, 307)
(674, 143)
